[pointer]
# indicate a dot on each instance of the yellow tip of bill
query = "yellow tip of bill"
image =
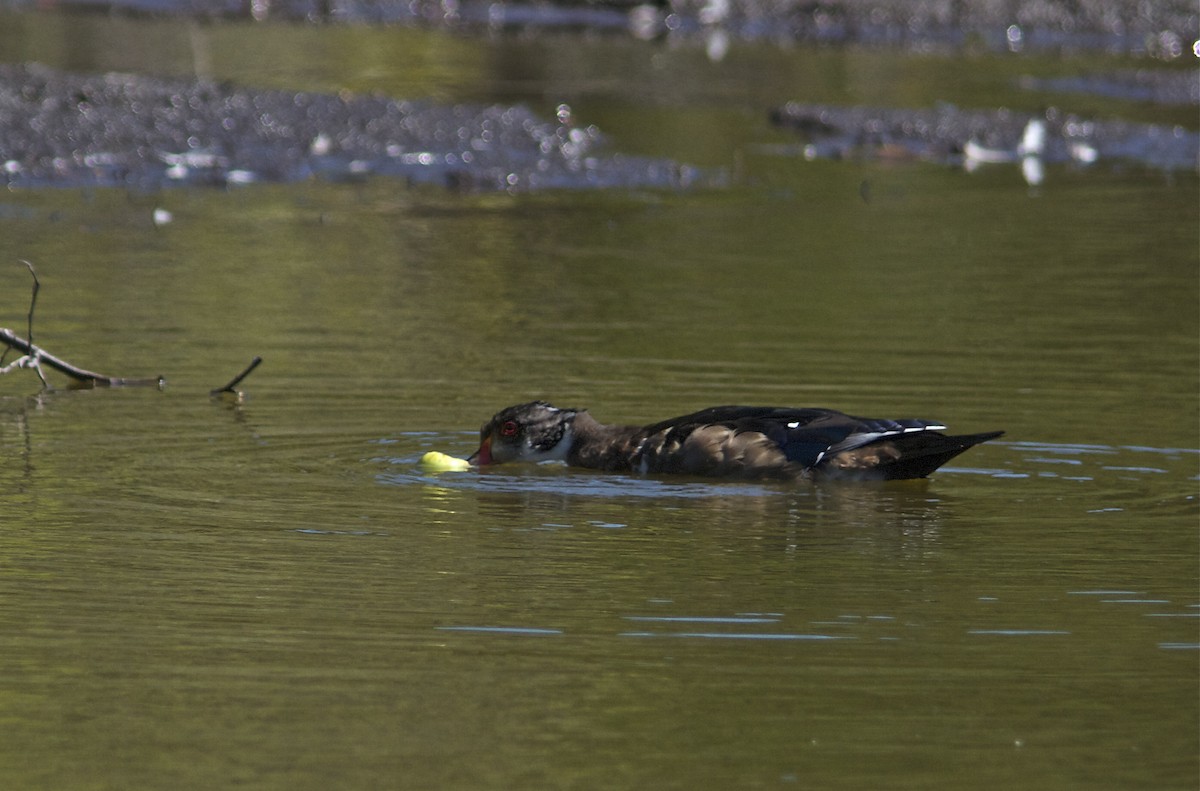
(441, 462)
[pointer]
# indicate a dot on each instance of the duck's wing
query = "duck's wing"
(814, 435)
(803, 436)
(736, 416)
(742, 441)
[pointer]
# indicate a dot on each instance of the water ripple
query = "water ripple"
(1016, 632)
(500, 630)
(738, 635)
(698, 619)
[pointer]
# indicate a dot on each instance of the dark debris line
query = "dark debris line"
(127, 130)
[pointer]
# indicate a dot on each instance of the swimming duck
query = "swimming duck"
(746, 442)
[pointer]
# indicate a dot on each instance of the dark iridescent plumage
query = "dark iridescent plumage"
(727, 441)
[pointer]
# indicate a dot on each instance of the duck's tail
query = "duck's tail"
(901, 457)
(921, 454)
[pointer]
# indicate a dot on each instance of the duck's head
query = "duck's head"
(535, 431)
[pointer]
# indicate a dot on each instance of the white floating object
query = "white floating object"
(976, 153)
(1083, 153)
(1033, 141)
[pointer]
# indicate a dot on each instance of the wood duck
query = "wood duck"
(746, 442)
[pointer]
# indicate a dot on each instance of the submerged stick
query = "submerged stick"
(235, 381)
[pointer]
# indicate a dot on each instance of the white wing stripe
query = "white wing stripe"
(867, 437)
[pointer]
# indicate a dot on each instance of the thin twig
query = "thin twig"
(37, 286)
(235, 381)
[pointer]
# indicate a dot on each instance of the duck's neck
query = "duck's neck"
(599, 446)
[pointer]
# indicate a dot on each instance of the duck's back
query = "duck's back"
(792, 443)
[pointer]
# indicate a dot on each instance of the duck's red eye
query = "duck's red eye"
(508, 428)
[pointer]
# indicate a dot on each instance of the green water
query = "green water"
(272, 595)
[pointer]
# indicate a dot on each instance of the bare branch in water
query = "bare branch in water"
(33, 357)
(235, 381)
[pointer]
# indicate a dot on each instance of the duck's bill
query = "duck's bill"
(483, 456)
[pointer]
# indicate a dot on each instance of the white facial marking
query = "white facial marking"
(556, 453)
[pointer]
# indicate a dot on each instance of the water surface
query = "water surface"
(273, 595)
